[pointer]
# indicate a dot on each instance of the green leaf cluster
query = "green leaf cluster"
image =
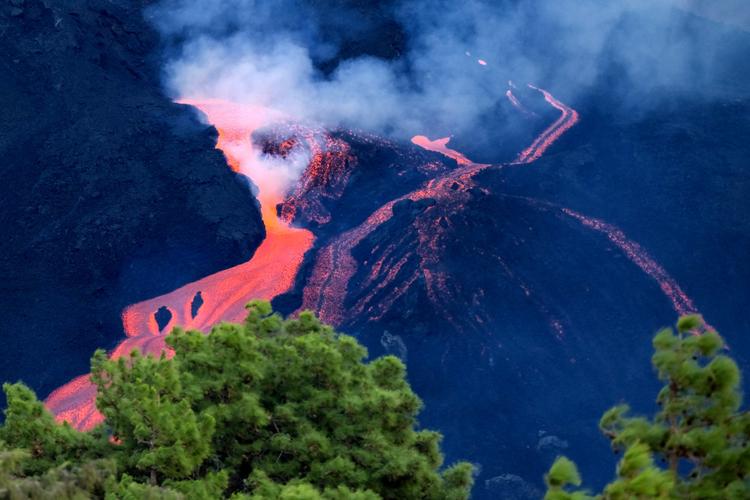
(270, 408)
(700, 434)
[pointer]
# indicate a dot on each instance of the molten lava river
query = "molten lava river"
(273, 267)
(267, 274)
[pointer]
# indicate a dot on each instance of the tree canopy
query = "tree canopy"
(270, 408)
(700, 434)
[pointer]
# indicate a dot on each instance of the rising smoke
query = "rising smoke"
(409, 66)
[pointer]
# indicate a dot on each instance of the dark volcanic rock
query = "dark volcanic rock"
(355, 174)
(522, 325)
(112, 193)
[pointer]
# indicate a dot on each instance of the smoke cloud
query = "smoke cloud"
(411, 66)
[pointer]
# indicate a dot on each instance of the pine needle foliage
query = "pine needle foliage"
(700, 434)
(271, 408)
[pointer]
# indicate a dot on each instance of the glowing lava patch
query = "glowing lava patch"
(273, 268)
(568, 118)
(270, 272)
(441, 146)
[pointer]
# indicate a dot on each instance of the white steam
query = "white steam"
(265, 53)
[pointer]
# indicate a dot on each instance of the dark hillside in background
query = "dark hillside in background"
(110, 192)
(536, 323)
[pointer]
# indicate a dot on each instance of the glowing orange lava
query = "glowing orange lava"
(441, 146)
(568, 118)
(270, 272)
(512, 99)
(681, 303)
(334, 266)
(273, 268)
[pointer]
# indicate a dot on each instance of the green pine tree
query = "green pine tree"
(143, 403)
(700, 431)
(266, 409)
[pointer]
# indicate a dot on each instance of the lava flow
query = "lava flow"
(273, 268)
(334, 266)
(267, 274)
(327, 287)
(517, 104)
(325, 291)
(568, 118)
(441, 146)
(680, 301)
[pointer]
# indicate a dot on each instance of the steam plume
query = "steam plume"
(297, 58)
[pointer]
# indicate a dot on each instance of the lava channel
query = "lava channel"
(568, 118)
(270, 272)
(441, 146)
(334, 266)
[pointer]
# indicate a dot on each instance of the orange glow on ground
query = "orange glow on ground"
(681, 303)
(334, 266)
(441, 146)
(568, 118)
(270, 272)
(273, 268)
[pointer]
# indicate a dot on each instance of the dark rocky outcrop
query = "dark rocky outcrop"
(111, 193)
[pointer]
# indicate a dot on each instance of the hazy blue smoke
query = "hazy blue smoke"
(271, 53)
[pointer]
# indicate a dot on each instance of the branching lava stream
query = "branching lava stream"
(268, 273)
(273, 268)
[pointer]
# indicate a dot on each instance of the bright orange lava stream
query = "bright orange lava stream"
(681, 303)
(568, 118)
(272, 269)
(270, 272)
(441, 146)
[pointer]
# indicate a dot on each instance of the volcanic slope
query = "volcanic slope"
(111, 193)
(518, 303)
